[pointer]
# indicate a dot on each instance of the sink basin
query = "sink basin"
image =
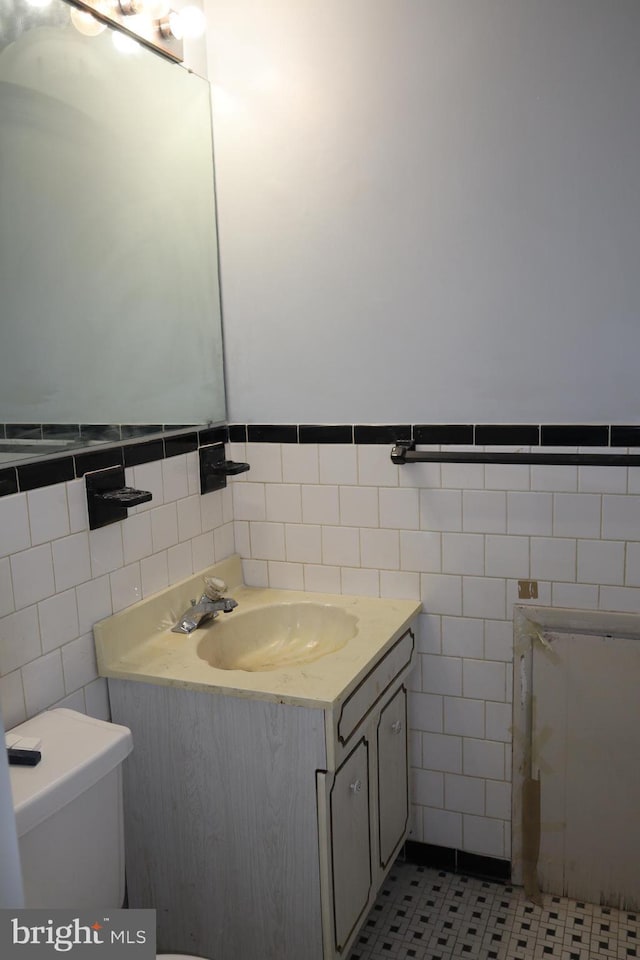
(276, 636)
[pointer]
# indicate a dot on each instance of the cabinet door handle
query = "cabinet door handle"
(356, 786)
(396, 726)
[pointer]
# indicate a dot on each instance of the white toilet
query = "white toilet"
(69, 814)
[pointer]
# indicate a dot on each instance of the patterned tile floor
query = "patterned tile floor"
(432, 915)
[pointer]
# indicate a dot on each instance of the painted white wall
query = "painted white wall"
(428, 210)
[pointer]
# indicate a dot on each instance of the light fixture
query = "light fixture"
(151, 22)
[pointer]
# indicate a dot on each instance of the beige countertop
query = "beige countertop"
(138, 644)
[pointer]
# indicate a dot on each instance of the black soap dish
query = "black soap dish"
(214, 468)
(108, 499)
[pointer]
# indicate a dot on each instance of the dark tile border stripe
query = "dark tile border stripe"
(625, 436)
(574, 436)
(237, 432)
(174, 446)
(98, 460)
(145, 452)
(272, 433)
(482, 434)
(325, 433)
(380, 433)
(213, 435)
(8, 481)
(443, 433)
(44, 473)
(59, 467)
(457, 861)
(459, 434)
(490, 434)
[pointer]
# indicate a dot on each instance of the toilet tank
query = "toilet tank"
(69, 811)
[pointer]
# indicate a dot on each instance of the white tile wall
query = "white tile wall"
(339, 518)
(420, 551)
(337, 463)
(283, 502)
(320, 504)
(303, 542)
(462, 553)
(484, 511)
(71, 560)
(57, 578)
(48, 513)
(462, 637)
(14, 524)
(300, 464)
(6, 588)
(463, 534)
(440, 509)
(32, 575)
(399, 508)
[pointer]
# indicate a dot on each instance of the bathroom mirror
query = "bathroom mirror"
(110, 316)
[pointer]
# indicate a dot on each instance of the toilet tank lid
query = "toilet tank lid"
(77, 751)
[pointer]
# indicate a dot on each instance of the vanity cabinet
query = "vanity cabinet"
(363, 818)
(263, 830)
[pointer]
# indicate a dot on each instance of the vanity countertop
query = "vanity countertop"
(138, 644)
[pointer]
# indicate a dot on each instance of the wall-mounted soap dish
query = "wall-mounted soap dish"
(108, 499)
(214, 469)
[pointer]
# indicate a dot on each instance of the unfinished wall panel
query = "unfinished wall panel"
(585, 750)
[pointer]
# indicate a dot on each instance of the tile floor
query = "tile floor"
(432, 915)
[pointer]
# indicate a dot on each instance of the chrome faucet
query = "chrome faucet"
(206, 608)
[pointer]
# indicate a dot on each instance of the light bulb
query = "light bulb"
(170, 27)
(86, 23)
(192, 21)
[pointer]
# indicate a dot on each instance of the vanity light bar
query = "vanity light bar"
(131, 17)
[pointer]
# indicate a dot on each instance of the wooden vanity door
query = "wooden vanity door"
(393, 799)
(350, 848)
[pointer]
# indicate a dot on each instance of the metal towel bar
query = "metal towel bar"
(405, 452)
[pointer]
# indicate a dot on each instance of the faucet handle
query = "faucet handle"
(214, 588)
